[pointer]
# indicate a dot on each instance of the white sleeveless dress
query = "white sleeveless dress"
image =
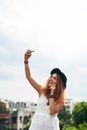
(42, 120)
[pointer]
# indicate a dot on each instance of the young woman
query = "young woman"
(51, 98)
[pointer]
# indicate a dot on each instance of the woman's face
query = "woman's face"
(53, 80)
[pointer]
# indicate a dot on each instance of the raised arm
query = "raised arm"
(35, 85)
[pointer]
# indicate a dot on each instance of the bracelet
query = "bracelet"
(52, 96)
(26, 62)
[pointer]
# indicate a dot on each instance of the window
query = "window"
(14, 119)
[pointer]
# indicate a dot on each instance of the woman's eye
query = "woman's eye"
(55, 78)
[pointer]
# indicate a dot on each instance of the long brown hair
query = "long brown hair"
(59, 92)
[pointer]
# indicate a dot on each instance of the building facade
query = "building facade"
(69, 104)
(16, 116)
(5, 116)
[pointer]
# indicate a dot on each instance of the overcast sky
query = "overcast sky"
(57, 31)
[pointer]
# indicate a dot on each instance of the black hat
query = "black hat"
(61, 74)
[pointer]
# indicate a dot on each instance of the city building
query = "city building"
(20, 119)
(17, 115)
(5, 117)
(69, 104)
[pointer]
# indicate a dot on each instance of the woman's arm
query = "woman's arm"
(35, 85)
(55, 107)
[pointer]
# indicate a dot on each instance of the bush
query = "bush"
(69, 127)
(83, 126)
(80, 113)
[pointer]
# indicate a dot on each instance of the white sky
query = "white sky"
(57, 31)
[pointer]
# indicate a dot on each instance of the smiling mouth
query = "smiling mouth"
(50, 82)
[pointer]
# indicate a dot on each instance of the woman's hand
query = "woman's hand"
(53, 88)
(27, 55)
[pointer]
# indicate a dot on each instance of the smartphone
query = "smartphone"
(32, 51)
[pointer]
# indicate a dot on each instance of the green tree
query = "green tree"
(80, 113)
(64, 117)
(83, 126)
(69, 127)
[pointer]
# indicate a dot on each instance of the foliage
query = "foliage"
(5, 127)
(28, 125)
(64, 117)
(83, 126)
(8, 127)
(80, 113)
(69, 127)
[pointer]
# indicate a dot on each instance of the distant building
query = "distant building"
(32, 108)
(20, 118)
(21, 112)
(5, 117)
(16, 115)
(69, 105)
